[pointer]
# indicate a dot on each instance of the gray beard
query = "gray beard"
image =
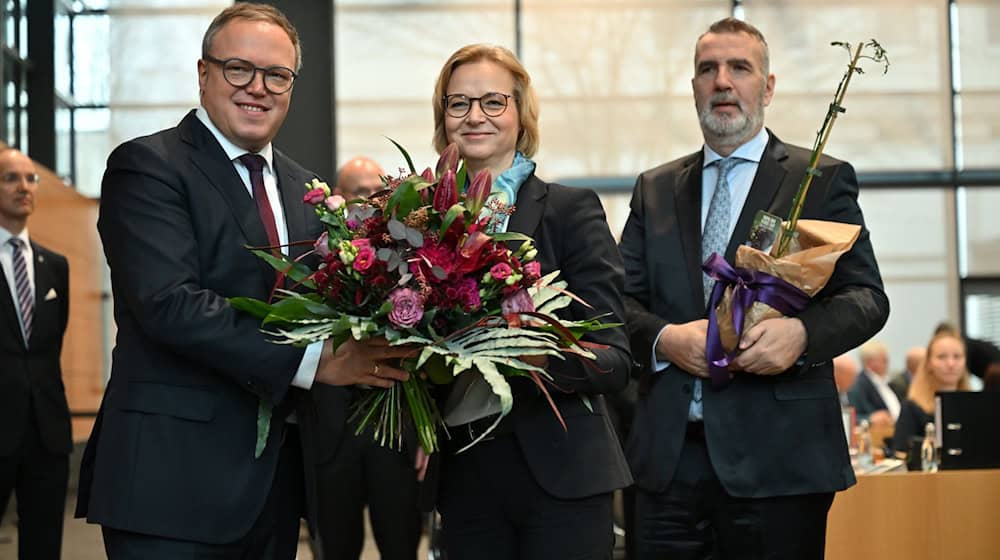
(729, 132)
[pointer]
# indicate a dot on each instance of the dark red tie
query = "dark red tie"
(255, 164)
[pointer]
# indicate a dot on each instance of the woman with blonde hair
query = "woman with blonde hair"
(533, 489)
(942, 370)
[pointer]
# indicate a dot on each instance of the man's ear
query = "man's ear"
(769, 90)
(202, 76)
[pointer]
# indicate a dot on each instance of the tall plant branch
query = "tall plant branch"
(878, 55)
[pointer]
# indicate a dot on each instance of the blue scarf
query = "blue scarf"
(509, 183)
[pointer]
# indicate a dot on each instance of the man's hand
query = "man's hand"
(771, 346)
(684, 346)
(361, 362)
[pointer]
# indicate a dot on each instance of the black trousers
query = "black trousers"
(274, 536)
(695, 519)
(39, 478)
(363, 472)
(492, 509)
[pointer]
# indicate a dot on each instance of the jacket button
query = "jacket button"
(686, 388)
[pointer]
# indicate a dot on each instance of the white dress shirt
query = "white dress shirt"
(306, 373)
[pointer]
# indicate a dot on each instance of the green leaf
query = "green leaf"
(510, 236)
(255, 307)
(405, 198)
(453, 213)
(460, 178)
(409, 161)
(263, 427)
(294, 270)
(437, 370)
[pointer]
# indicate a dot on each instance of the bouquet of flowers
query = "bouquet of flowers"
(785, 263)
(419, 263)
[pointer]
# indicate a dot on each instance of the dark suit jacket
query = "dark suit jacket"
(571, 234)
(173, 452)
(767, 435)
(31, 378)
(865, 398)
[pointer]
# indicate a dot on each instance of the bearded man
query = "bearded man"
(748, 470)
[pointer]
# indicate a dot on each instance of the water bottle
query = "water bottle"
(865, 458)
(928, 450)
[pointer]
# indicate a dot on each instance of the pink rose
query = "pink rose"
(334, 202)
(518, 302)
(407, 307)
(365, 258)
(314, 196)
(500, 271)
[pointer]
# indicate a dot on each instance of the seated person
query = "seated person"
(871, 396)
(943, 370)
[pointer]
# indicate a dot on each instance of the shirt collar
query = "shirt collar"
(751, 150)
(5, 236)
(232, 150)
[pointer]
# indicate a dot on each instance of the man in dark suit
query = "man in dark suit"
(871, 395)
(748, 470)
(353, 471)
(36, 438)
(171, 471)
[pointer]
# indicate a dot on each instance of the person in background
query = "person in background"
(533, 490)
(748, 470)
(353, 470)
(36, 438)
(900, 383)
(944, 369)
(359, 177)
(871, 396)
(845, 372)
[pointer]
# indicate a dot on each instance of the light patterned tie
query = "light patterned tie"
(715, 235)
(714, 239)
(22, 286)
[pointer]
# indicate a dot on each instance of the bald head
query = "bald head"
(845, 370)
(359, 177)
(914, 356)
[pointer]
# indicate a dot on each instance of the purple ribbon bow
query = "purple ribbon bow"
(748, 286)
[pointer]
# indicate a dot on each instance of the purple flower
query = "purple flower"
(532, 271)
(322, 245)
(518, 302)
(479, 189)
(500, 271)
(407, 307)
(353, 224)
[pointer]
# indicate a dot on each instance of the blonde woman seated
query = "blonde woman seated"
(943, 370)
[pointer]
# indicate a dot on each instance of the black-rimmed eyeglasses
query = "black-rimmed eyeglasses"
(492, 104)
(239, 73)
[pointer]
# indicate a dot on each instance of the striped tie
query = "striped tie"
(23, 287)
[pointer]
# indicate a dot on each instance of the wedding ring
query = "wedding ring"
(375, 371)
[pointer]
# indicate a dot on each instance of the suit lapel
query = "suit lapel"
(45, 280)
(687, 202)
(766, 184)
(528, 210)
(210, 158)
(7, 310)
(291, 187)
